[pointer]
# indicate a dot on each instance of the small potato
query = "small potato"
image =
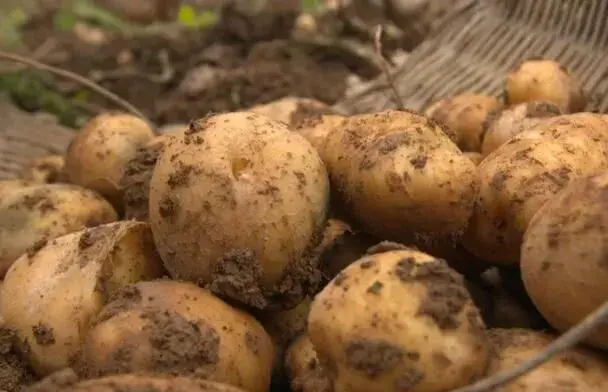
(398, 320)
(97, 156)
(503, 125)
(521, 175)
(238, 202)
(475, 157)
(51, 293)
(316, 129)
(292, 110)
(463, 117)
(167, 327)
(45, 170)
(401, 178)
(545, 80)
(286, 325)
(303, 368)
(8, 186)
(576, 369)
(563, 260)
(36, 214)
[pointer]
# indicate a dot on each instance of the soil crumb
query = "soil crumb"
(14, 372)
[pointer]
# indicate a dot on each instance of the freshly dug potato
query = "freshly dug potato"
(45, 170)
(8, 186)
(51, 293)
(463, 117)
(316, 129)
(14, 371)
(36, 214)
(502, 125)
(545, 80)
(286, 325)
(521, 175)
(563, 260)
(475, 157)
(573, 370)
(303, 368)
(132, 383)
(291, 110)
(398, 320)
(168, 327)
(238, 202)
(401, 177)
(97, 156)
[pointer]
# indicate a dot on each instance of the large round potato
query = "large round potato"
(521, 175)
(398, 320)
(238, 201)
(33, 215)
(564, 258)
(401, 177)
(51, 293)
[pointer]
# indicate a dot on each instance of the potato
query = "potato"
(398, 320)
(247, 170)
(51, 293)
(304, 370)
(96, 157)
(316, 129)
(521, 175)
(545, 80)
(36, 214)
(475, 157)
(7, 186)
(500, 126)
(291, 110)
(131, 383)
(167, 327)
(401, 177)
(45, 170)
(573, 370)
(14, 372)
(563, 258)
(462, 117)
(286, 325)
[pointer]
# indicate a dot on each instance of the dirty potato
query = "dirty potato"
(168, 327)
(51, 293)
(316, 129)
(304, 371)
(45, 170)
(292, 110)
(357, 325)
(36, 214)
(96, 157)
(238, 202)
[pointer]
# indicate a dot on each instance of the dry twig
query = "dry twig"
(386, 66)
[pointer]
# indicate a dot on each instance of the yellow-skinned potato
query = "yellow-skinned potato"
(238, 201)
(463, 117)
(8, 186)
(576, 369)
(51, 293)
(168, 327)
(401, 177)
(475, 157)
(291, 110)
(398, 320)
(45, 170)
(521, 175)
(97, 156)
(315, 129)
(563, 260)
(545, 80)
(304, 369)
(36, 214)
(503, 125)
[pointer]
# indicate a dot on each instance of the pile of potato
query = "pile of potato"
(292, 248)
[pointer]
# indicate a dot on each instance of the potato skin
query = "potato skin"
(521, 175)
(303, 368)
(575, 370)
(396, 320)
(403, 179)
(51, 293)
(239, 168)
(545, 80)
(45, 170)
(292, 110)
(96, 157)
(316, 129)
(35, 214)
(563, 262)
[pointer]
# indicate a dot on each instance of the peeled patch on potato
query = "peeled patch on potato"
(304, 369)
(575, 369)
(97, 156)
(401, 177)
(521, 175)
(51, 293)
(167, 327)
(463, 117)
(292, 110)
(545, 80)
(398, 319)
(563, 260)
(32, 216)
(238, 202)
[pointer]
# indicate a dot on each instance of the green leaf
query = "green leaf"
(65, 20)
(187, 15)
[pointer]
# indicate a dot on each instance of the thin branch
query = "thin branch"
(386, 66)
(75, 78)
(568, 340)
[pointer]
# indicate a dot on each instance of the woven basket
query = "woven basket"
(480, 41)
